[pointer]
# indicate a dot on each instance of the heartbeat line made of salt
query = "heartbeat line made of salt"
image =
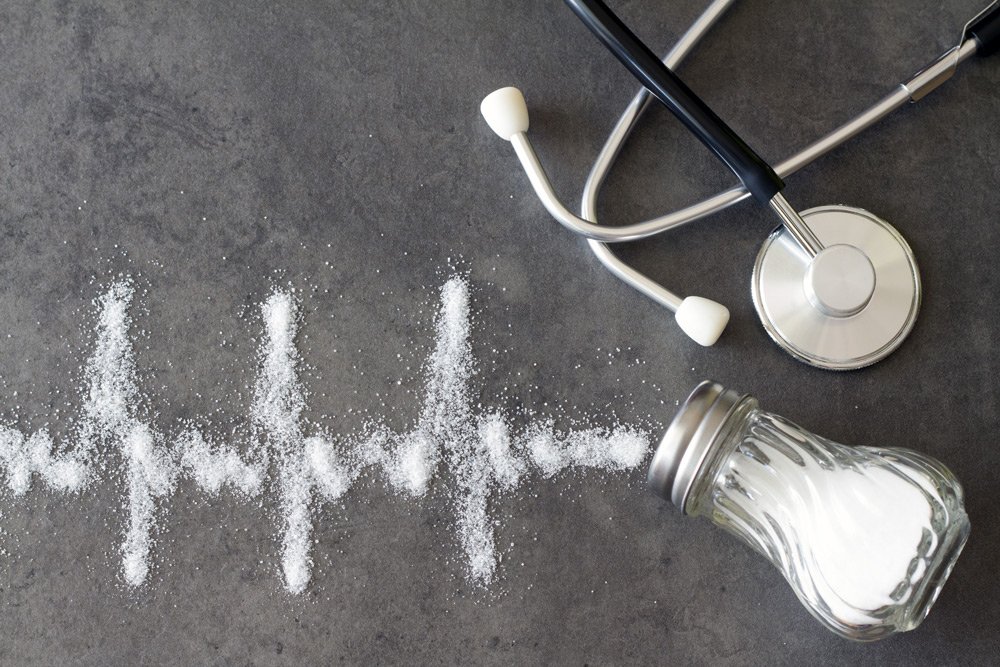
(482, 455)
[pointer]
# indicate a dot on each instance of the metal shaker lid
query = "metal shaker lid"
(688, 440)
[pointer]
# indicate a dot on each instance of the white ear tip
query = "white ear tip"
(506, 112)
(702, 319)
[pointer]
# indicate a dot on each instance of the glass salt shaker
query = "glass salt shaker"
(865, 536)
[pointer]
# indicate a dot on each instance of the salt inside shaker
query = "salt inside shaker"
(865, 536)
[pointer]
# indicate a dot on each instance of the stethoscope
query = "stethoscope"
(835, 286)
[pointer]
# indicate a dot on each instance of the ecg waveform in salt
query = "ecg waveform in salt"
(289, 458)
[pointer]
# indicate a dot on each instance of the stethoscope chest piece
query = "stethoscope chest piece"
(848, 306)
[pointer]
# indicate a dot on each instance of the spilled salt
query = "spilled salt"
(615, 449)
(413, 466)
(444, 418)
(278, 403)
(302, 465)
(109, 419)
(112, 392)
(23, 457)
(212, 466)
(495, 438)
(481, 453)
(150, 475)
(305, 464)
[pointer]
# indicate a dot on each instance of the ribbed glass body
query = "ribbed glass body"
(865, 536)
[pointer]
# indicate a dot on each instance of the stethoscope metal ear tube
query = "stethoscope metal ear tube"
(980, 36)
(756, 174)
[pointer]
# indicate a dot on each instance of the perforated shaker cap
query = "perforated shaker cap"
(688, 439)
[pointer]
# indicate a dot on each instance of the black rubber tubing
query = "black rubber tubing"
(986, 32)
(756, 174)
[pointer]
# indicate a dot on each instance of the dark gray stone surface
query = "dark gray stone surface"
(338, 146)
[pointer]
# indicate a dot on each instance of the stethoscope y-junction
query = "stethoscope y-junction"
(835, 286)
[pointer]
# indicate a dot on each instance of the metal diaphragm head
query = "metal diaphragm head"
(849, 306)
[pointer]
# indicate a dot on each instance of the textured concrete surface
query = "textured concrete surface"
(213, 149)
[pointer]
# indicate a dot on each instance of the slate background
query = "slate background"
(337, 146)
